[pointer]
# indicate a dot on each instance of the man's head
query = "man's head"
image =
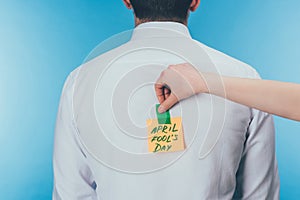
(162, 10)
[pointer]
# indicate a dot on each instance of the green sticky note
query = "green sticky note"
(163, 118)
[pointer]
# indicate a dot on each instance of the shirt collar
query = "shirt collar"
(160, 29)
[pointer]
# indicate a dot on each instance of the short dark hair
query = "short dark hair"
(161, 10)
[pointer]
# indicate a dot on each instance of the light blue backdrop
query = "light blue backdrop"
(42, 41)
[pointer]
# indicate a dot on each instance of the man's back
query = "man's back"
(229, 148)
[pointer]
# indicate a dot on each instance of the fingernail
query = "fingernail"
(161, 109)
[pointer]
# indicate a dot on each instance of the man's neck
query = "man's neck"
(138, 21)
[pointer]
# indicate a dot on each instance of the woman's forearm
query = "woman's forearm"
(181, 81)
(274, 97)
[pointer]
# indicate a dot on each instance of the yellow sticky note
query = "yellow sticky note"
(165, 137)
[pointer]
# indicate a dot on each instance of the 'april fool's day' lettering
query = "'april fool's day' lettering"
(165, 137)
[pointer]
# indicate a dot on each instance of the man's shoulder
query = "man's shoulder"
(228, 65)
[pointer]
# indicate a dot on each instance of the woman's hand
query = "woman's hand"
(178, 82)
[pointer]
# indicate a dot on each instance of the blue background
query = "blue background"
(41, 42)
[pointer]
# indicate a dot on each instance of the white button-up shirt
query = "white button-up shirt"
(101, 151)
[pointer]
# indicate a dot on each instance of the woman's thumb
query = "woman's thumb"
(168, 103)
